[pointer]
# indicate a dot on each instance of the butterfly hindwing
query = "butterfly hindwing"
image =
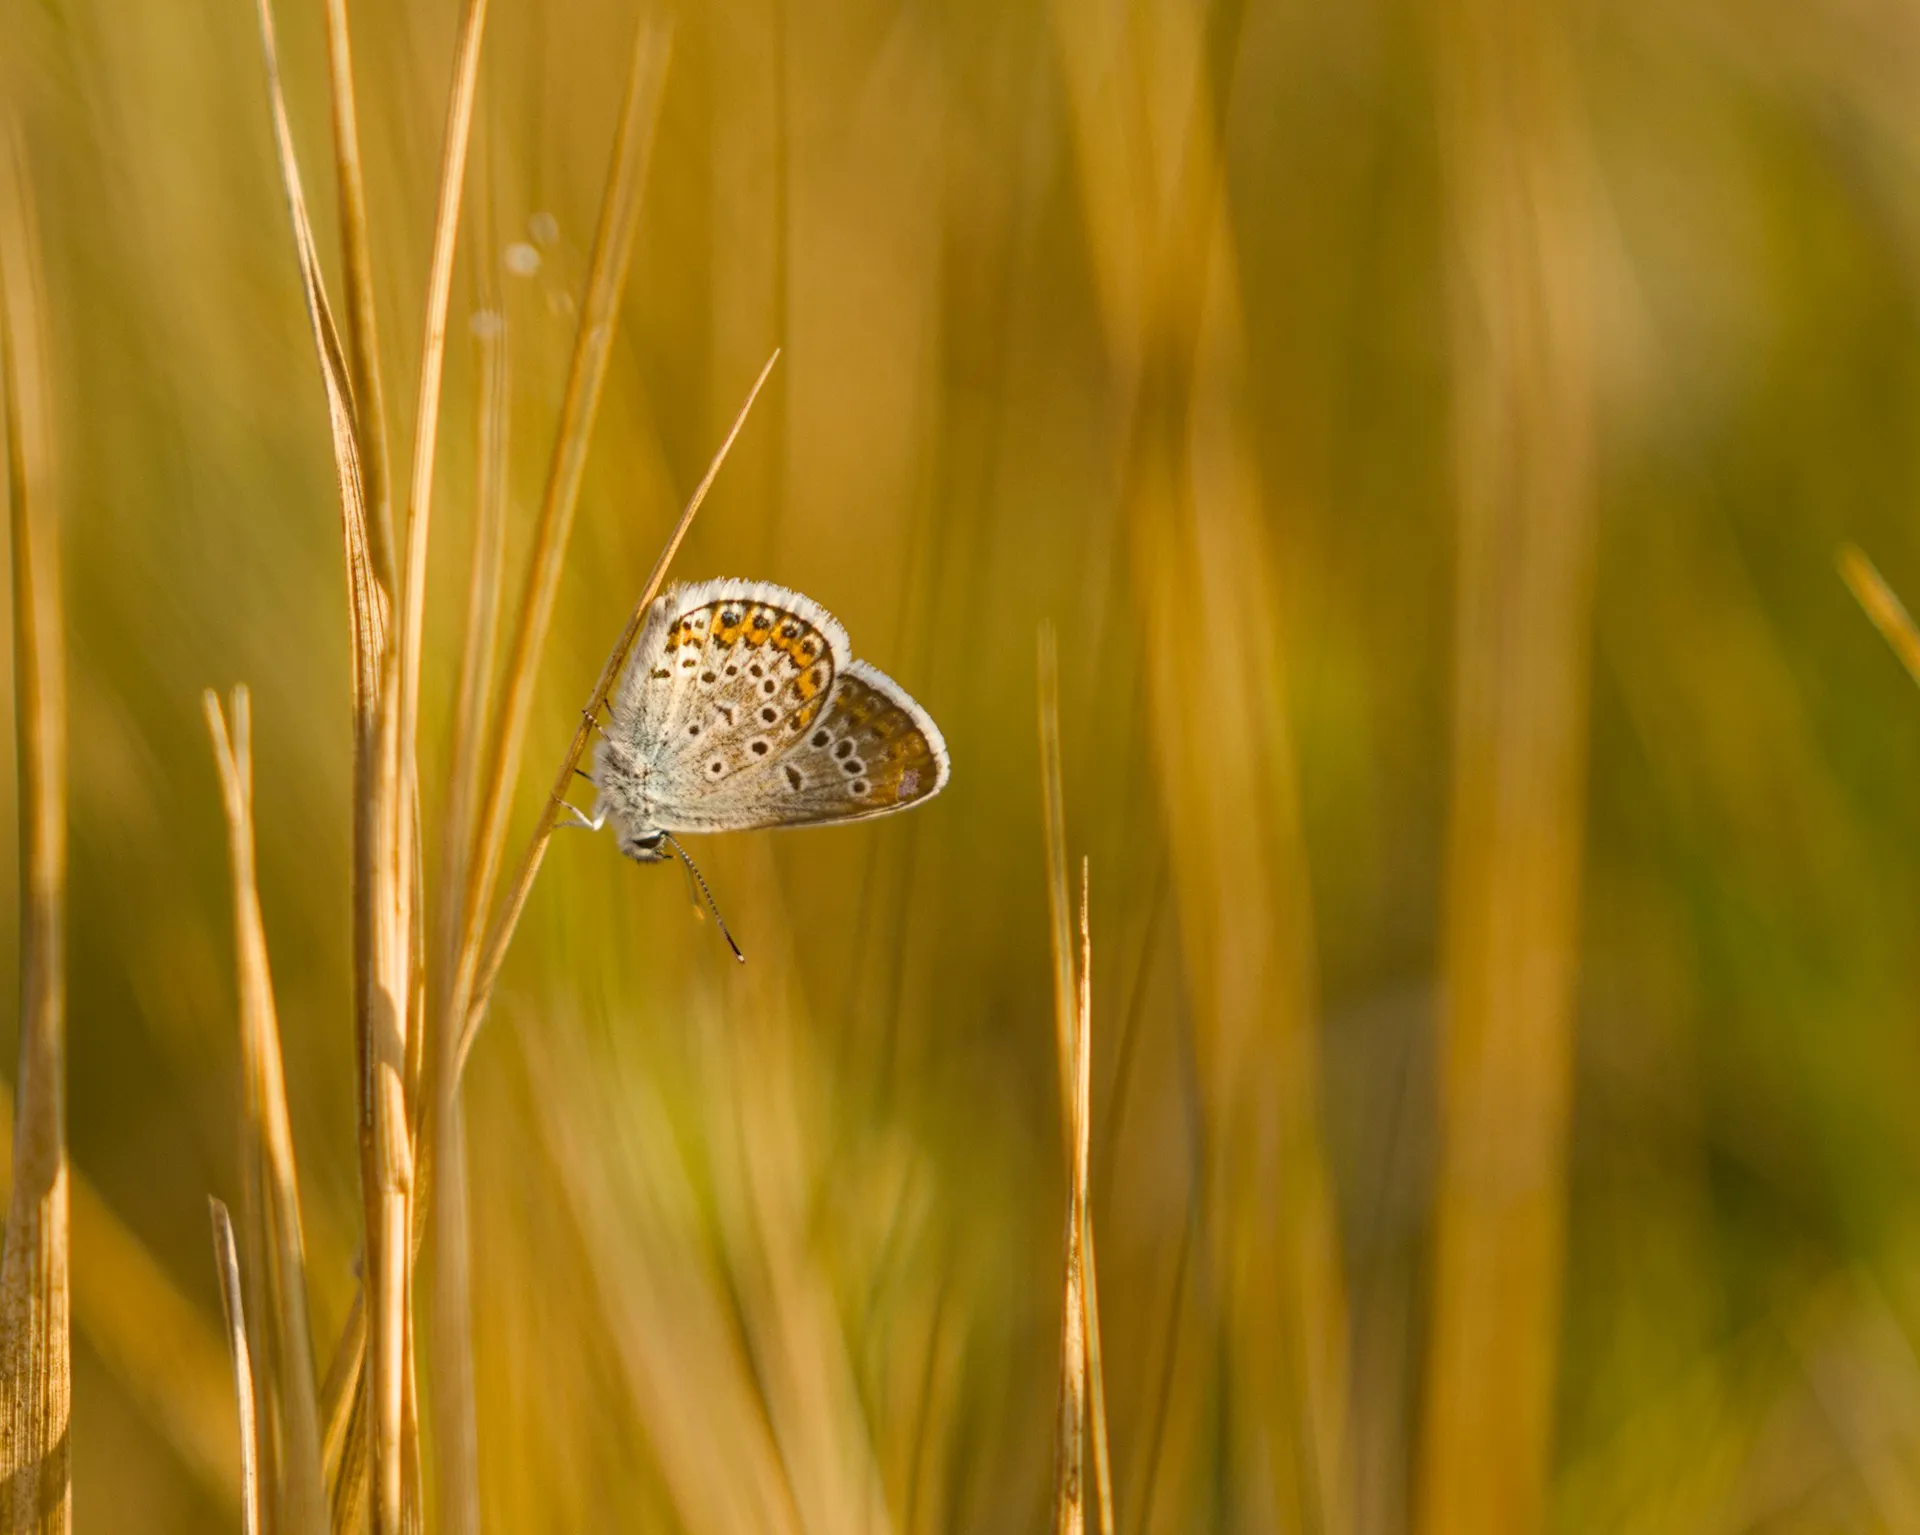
(874, 750)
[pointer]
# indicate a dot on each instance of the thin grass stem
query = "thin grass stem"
(268, 1137)
(35, 1344)
(1083, 1420)
(363, 331)
(226, 1259)
(516, 899)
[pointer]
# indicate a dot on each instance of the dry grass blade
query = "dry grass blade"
(1059, 899)
(386, 1139)
(226, 1259)
(1083, 1417)
(367, 601)
(593, 341)
(35, 1347)
(1888, 613)
(502, 933)
(1519, 180)
(1069, 1465)
(1083, 1209)
(1080, 1408)
(363, 333)
(268, 1144)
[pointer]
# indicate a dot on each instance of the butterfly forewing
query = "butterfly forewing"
(722, 679)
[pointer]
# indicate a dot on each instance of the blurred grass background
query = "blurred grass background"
(1185, 327)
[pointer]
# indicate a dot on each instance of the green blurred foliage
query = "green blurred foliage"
(854, 1144)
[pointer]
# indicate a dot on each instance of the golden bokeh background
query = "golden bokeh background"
(1429, 431)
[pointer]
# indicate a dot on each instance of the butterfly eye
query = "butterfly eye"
(651, 841)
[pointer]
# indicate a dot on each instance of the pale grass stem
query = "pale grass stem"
(363, 331)
(1083, 1414)
(266, 1153)
(368, 604)
(35, 1344)
(226, 1259)
(1888, 613)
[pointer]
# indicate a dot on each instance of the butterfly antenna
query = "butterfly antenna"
(701, 880)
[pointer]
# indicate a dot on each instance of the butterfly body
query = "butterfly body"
(742, 707)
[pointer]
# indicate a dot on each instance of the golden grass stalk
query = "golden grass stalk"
(386, 1144)
(363, 331)
(226, 1260)
(396, 1049)
(1888, 613)
(1083, 1408)
(267, 1146)
(1517, 179)
(1059, 901)
(35, 1346)
(1076, 1329)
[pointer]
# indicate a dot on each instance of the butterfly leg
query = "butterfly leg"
(581, 819)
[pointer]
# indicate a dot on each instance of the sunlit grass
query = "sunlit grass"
(1490, 1077)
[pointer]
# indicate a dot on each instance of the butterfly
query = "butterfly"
(741, 707)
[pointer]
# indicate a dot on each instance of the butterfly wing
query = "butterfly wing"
(742, 710)
(873, 751)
